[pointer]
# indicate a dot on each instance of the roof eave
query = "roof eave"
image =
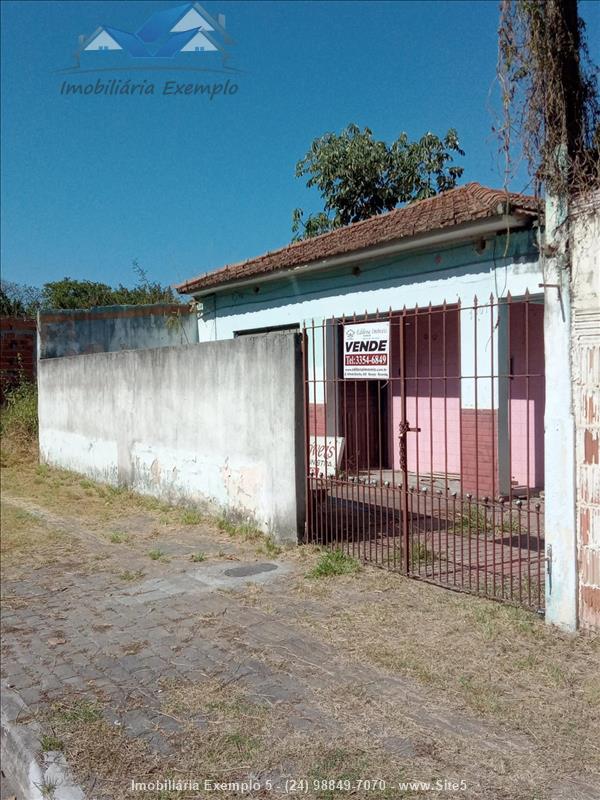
(422, 241)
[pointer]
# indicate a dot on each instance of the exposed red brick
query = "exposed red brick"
(479, 452)
(590, 447)
(17, 351)
(589, 561)
(590, 607)
(584, 525)
(591, 597)
(316, 419)
(467, 203)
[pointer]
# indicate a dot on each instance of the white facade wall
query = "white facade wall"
(515, 278)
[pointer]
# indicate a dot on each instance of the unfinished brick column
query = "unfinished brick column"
(585, 352)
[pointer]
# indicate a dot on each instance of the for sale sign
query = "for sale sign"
(367, 351)
(325, 453)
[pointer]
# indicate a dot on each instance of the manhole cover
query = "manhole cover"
(249, 569)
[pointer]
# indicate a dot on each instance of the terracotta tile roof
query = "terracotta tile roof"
(464, 204)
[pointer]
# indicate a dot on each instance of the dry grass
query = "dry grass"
(28, 543)
(55, 489)
(464, 654)
(222, 733)
(96, 748)
(499, 662)
(125, 520)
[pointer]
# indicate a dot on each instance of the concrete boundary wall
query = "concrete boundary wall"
(220, 422)
(106, 329)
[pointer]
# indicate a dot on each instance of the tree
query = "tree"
(18, 301)
(358, 176)
(10, 306)
(549, 94)
(25, 301)
(70, 293)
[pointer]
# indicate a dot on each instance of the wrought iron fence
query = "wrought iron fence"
(425, 443)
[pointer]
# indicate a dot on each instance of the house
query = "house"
(112, 39)
(407, 388)
(184, 29)
(425, 378)
(471, 242)
(187, 17)
(192, 41)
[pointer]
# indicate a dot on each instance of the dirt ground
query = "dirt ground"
(142, 662)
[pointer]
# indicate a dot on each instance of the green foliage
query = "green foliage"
(70, 293)
(156, 554)
(10, 306)
(359, 177)
(19, 419)
(243, 529)
(198, 557)
(79, 711)
(420, 553)
(191, 517)
(270, 547)
(334, 562)
(18, 301)
(50, 743)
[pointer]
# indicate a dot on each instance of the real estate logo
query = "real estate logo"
(181, 38)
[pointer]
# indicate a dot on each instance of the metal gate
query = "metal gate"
(424, 443)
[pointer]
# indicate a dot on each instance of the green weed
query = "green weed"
(334, 562)
(50, 743)
(191, 517)
(242, 529)
(270, 547)
(19, 420)
(420, 553)
(128, 575)
(80, 711)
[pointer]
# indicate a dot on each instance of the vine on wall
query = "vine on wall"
(549, 92)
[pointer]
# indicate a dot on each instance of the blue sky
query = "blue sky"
(185, 184)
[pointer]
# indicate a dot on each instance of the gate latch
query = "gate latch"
(403, 429)
(548, 560)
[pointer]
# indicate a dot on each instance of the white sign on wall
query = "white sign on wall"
(325, 454)
(367, 351)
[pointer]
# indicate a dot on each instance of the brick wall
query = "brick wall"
(479, 452)
(585, 344)
(316, 419)
(17, 351)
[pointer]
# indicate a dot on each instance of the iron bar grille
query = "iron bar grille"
(436, 468)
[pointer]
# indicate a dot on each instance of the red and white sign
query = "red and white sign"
(325, 453)
(367, 351)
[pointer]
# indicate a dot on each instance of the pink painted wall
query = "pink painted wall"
(527, 396)
(437, 446)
